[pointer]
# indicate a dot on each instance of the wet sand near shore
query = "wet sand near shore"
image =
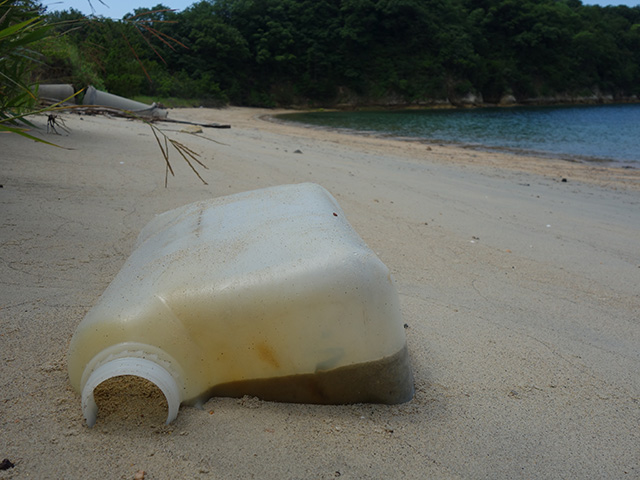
(519, 291)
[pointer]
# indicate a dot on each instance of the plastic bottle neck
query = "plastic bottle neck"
(139, 367)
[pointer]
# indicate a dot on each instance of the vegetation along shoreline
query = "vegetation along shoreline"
(337, 53)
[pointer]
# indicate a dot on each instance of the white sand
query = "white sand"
(521, 292)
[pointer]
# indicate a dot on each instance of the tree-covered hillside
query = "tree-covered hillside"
(327, 52)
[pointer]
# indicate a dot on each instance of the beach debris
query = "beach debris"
(97, 101)
(54, 121)
(297, 151)
(139, 475)
(564, 180)
(55, 93)
(289, 253)
(96, 97)
(6, 464)
(206, 125)
(191, 129)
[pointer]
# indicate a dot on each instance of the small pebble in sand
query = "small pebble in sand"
(139, 475)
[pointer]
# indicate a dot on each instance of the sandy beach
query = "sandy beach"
(519, 280)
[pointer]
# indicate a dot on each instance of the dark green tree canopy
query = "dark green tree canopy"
(269, 52)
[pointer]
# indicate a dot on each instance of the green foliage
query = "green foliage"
(63, 62)
(20, 27)
(282, 52)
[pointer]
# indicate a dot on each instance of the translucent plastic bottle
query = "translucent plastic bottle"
(268, 293)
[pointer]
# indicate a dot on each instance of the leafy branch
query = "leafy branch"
(21, 25)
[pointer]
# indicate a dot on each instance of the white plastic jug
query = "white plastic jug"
(269, 293)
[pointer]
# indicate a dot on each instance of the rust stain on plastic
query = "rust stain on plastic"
(267, 355)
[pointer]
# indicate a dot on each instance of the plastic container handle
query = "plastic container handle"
(139, 367)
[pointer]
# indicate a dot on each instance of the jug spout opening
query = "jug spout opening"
(139, 367)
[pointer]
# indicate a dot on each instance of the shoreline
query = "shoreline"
(551, 166)
(581, 159)
(462, 104)
(518, 291)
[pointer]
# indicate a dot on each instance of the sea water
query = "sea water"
(594, 133)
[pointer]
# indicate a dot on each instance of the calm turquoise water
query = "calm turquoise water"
(601, 133)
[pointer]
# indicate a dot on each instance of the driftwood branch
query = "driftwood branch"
(208, 125)
(104, 110)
